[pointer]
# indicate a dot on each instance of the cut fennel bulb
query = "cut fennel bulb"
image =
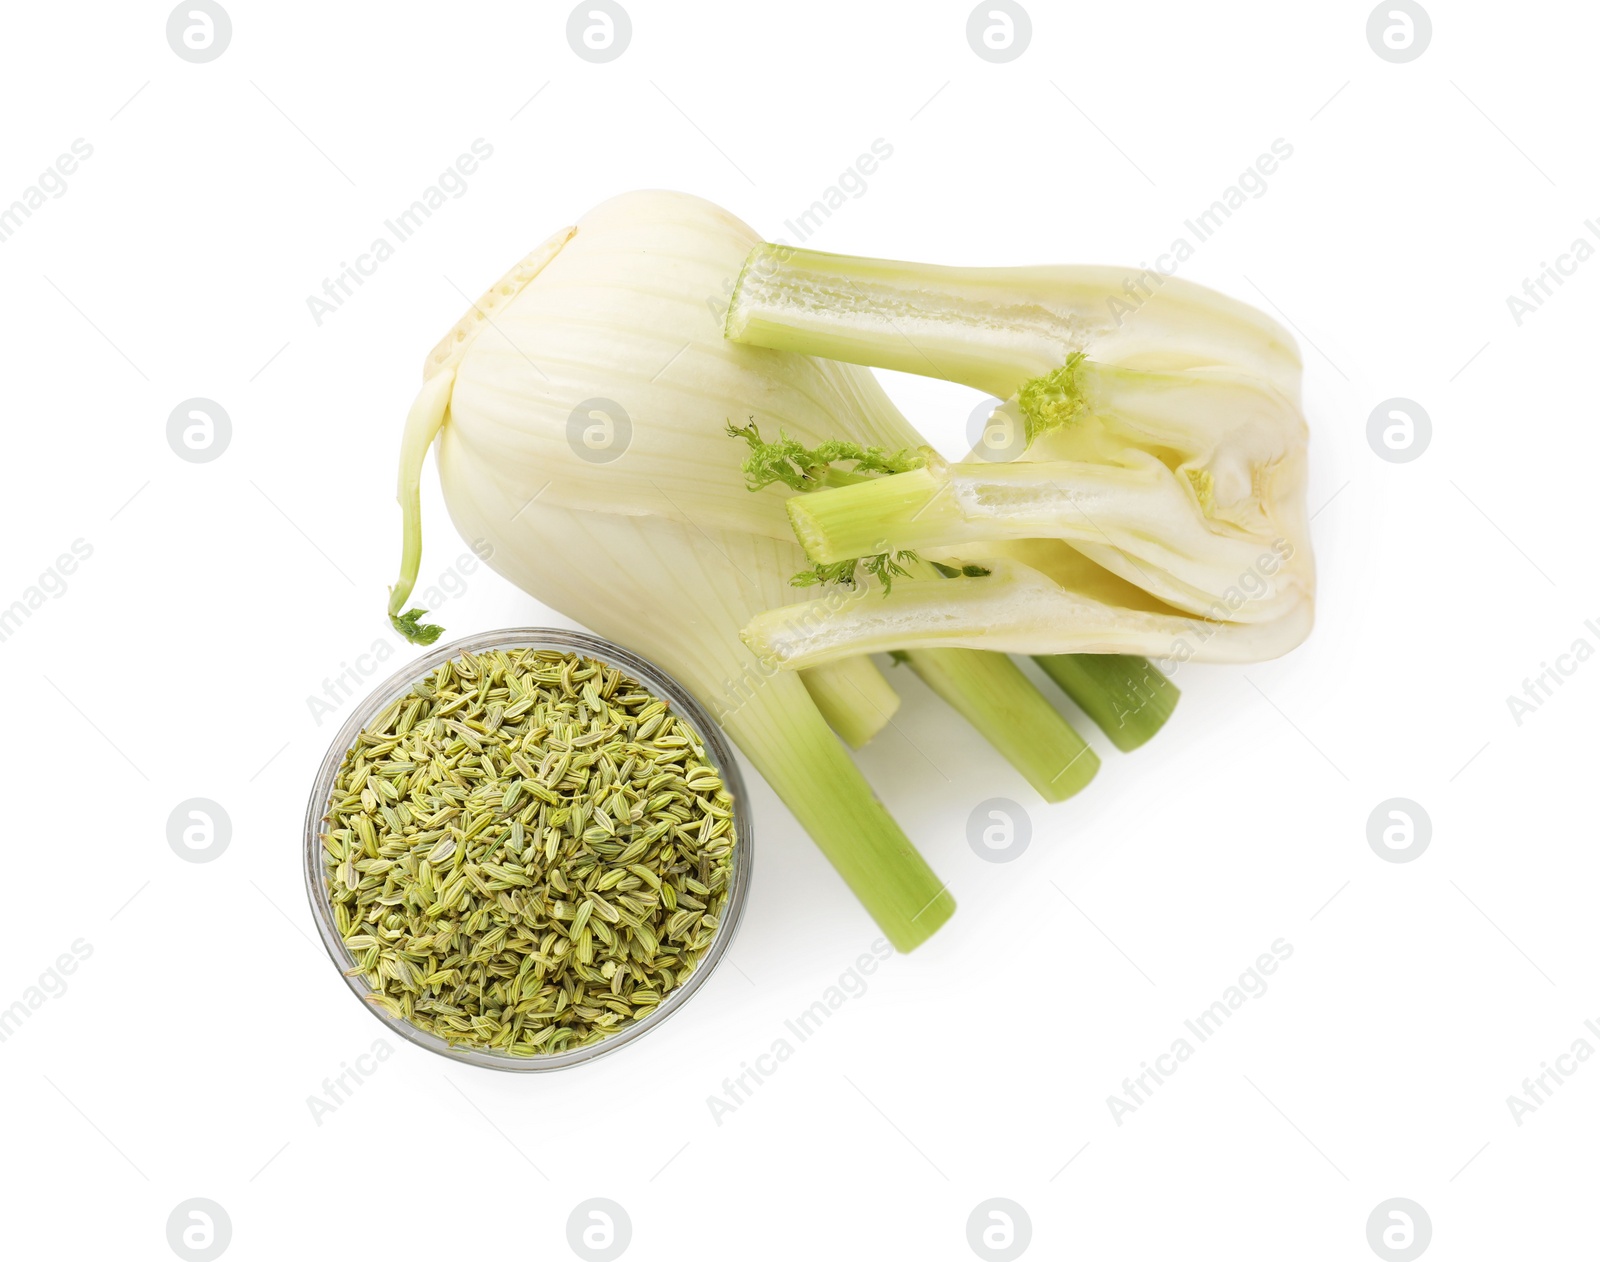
(581, 415)
(1145, 493)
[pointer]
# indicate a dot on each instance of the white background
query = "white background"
(178, 661)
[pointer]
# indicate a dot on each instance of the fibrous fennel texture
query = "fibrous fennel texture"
(1140, 487)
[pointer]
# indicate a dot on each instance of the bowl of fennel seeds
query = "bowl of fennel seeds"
(527, 849)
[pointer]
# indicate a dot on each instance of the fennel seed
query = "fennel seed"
(526, 852)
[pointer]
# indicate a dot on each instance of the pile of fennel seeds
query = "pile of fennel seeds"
(526, 852)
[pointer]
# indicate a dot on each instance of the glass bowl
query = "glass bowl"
(654, 680)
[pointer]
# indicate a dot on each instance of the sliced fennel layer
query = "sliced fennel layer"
(995, 328)
(1134, 518)
(1017, 609)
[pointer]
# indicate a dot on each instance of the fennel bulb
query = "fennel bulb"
(663, 548)
(662, 544)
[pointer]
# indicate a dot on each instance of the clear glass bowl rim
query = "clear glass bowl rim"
(657, 681)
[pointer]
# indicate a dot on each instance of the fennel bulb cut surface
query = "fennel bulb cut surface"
(1161, 444)
(655, 542)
